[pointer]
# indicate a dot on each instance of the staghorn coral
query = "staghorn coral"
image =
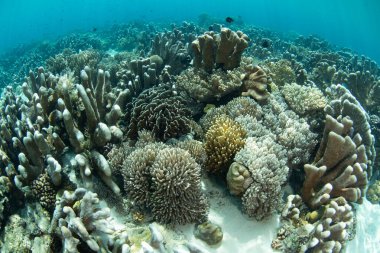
(303, 99)
(255, 83)
(213, 50)
(265, 161)
(339, 167)
(167, 181)
(59, 118)
(223, 139)
(160, 110)
(136, 173)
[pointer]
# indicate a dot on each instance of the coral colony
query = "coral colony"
(112, 140)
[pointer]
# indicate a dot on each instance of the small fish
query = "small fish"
(94, 29)
(229, 20)
(265, 44)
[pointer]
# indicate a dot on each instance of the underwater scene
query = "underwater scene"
(189, 127)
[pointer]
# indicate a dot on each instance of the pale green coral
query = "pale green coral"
(303, 99)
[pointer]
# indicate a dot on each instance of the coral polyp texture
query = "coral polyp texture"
(167, 181)
(167, 137)
(223, 140)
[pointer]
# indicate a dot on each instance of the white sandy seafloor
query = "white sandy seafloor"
(242, 234)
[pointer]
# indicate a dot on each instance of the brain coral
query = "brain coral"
(224, 138)
(160, 110)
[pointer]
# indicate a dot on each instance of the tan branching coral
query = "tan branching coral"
(205, 87)
(213, 50)
(303, 99)
(255, 83)
(224, 138)
(281, 72)
(339, 168)
(167, 181)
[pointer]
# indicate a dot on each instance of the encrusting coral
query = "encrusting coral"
(223, 140)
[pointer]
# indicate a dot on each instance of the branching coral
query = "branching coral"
(160, 110)
(167, 181)
(344, 104)
(224, 138)
(177, 196)
(281, 72)
(266, 163)
(339, 168)
(324, 231)
(205, 87)
(213, 50)
(303, 99)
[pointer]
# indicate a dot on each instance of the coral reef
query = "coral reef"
(255, 83)
(160, 110)
(167, 181)
(266, 163)
(176, 102)
(219, 50)
(327, 233)
(303, 99)
(223, 140)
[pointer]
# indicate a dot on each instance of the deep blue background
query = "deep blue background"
(347, 23)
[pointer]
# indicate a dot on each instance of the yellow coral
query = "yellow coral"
(224, 138)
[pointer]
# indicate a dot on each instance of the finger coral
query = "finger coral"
(224, 138)
(219, 50)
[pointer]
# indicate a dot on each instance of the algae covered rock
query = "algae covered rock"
(209, 232)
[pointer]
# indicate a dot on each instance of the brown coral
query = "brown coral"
(255, 83)
(224, 138)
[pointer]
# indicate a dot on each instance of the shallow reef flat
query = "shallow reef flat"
(188, 138)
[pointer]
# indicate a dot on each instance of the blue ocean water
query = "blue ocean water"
(347, 23)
